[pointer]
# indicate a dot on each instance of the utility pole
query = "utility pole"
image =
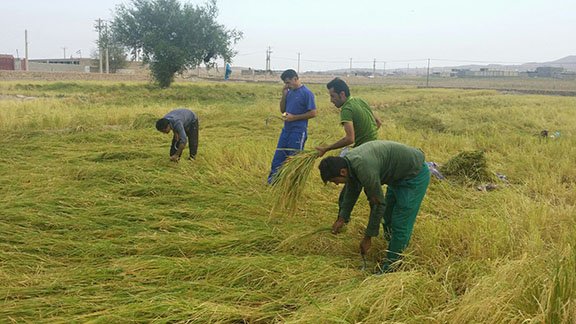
(350, 71)
(99, 27)
(64, 48)
(374, 69)
(298, 64)
(107, 61)
(428, 73)
(384, 70)
(107, 53)
(268, 52)
(26, 50)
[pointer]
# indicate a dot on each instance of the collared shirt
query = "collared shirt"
(180, 120)
(376, 163)
(358, 112)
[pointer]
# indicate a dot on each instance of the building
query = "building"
(482, 73)
(548, 71)
(7, 62)
(60, 65)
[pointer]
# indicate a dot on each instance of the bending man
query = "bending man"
(368, 167)
(184, 124)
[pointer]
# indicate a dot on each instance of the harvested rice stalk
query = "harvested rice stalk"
(289, 181)
(467, 166)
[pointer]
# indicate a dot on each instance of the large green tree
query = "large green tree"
(172, 37)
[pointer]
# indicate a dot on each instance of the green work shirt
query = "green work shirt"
(358, 112)
(376, 163)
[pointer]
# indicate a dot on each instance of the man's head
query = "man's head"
(334, 169)
(339, 92)
(290, 79)
(163, 125)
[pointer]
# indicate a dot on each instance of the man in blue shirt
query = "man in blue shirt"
(297, 106)
(184, 124)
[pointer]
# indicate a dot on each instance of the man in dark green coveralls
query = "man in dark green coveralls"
(368, 167)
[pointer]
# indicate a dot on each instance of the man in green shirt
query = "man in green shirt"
(359, 122)
(368, 167)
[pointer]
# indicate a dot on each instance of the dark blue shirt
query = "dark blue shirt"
(299, 101)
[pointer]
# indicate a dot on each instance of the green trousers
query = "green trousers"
(403, 201)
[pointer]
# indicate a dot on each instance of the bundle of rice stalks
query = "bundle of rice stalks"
(289, 181)
(467, 166)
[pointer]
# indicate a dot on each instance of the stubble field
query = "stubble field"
(97, 225)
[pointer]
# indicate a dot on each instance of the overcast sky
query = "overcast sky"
(328, 34)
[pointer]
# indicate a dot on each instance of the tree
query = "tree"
(172, 37)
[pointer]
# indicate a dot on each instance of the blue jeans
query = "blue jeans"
(289, 143)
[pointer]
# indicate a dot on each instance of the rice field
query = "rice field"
(97, 225)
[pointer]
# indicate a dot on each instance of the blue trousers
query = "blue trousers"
(289, 143)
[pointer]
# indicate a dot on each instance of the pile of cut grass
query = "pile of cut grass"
(467, 166)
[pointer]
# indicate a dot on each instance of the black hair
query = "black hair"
(162, 123)
(339, 85)
(330, 167)
(288, 74)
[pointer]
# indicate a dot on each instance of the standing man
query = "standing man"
(359, 122)
(368, 167)
(297, 106)
(227, 71)
(184, 124)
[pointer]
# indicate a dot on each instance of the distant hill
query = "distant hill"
(568, 63)
(571, 59)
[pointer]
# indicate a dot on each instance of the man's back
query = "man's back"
(388, 161)
(185, 116)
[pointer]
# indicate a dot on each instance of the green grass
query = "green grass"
(98, 226)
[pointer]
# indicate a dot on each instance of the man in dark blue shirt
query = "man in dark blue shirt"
(184, 124)
(297, 106)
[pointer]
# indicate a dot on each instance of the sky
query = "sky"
(326, 34)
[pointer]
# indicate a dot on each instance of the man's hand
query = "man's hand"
(285, 90)
(321, 150)
(288, 117)
(174, 158)
(337, 226)
(365, 245)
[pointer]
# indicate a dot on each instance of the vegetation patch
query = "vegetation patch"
(467, 166)
(98, 225)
